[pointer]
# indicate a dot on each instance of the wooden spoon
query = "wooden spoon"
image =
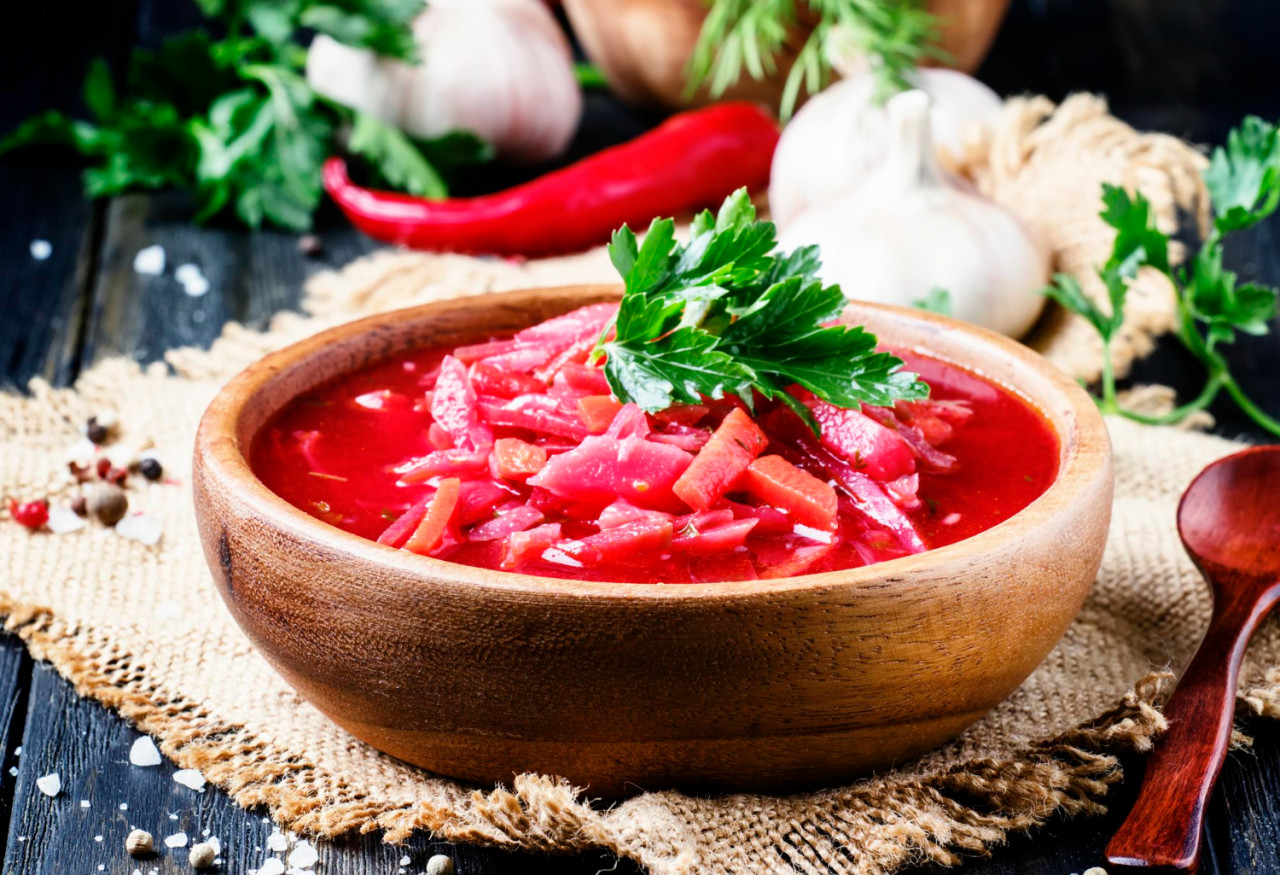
(1229, 520)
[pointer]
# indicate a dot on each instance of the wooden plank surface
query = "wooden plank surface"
(85, 302)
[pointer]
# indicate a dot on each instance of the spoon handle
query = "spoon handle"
(1165, 825)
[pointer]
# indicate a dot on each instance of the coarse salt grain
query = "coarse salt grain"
(84, 803)
(303, 856)
(41, 249)
(144, 753)
(405, 861)
(149, 261)
(13, 770)
(17, 751)
(277, 842)
(98, 839)
(124, 806)
(213, 843)
(192, 280)
(271, 866)
(63, 521)
(177, 840)
(50, 785)
(140, 527)
(189, 778)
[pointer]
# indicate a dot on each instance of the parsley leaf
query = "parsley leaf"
(1243, 179)
(1242, 176)
(725, 315)
(233, 121)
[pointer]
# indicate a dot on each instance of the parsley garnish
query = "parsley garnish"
(1243, 180)
(234, 122)
(750, 34)
(724, 314)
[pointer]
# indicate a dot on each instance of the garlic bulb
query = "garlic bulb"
(840, 134)
(907, 229)
(501, 69)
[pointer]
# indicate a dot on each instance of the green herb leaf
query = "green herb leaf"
(937, 301)
(1244, 177)
(724, 315)
(395, 157)
(750, 36)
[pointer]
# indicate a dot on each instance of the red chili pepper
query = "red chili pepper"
(692, 160)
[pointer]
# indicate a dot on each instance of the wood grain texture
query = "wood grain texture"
(617, 687)
(1229, 521)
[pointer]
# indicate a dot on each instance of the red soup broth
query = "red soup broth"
(334, 451)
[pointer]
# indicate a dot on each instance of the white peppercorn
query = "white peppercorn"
(440, 864)
(202, 856)
(139, 843)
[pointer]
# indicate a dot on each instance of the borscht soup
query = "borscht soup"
(513, 455)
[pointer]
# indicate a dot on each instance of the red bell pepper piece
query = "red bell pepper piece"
(692, 160)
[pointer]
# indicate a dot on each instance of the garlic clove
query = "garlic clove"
(909, 229)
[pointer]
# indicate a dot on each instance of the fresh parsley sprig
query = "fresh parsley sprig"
(724, 314)
(234, 122)
(737, 35)
(1243, 179)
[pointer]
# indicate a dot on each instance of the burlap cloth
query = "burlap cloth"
(142, 630)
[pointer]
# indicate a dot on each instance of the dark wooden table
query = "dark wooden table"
(1172, 66)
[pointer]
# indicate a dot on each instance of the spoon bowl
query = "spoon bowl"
(1229, 516)
(1229, 520)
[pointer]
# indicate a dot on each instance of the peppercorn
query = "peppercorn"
(107, 503)
(310, 245)
(79, 506)
(96, 431)
(139, 843)
(116, 475)
(202, 856)
(82, 473)
(31, 514)
(102, 467)
(440, 864)
(151, 468)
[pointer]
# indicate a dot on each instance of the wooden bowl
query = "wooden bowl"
(766, 685)
(643, 46)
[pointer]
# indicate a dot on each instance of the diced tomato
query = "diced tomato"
(630, 543)
(621, 512)
(733, 446)
(528, 545)
(585, 377)
(516, 460)
(866, 444)
(478, 501)
(453, 406)
(604, 468)
(516, 519)
(598, 411)
(773, 480)
(720, 539)
(536, 413)
(431, 531)
(399, 531)
(434, 464)
(488, 380)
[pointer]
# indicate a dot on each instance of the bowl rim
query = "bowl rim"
(1085, 454)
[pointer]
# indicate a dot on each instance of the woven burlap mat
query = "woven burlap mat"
(141, 628)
